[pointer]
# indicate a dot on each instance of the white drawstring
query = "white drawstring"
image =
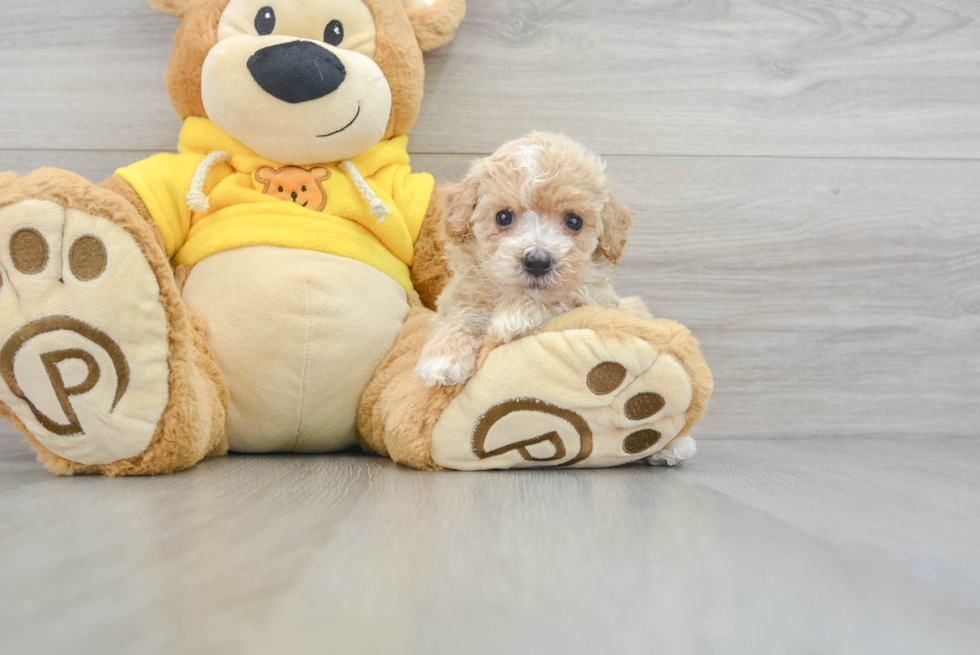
(378, 208)
(196, 199)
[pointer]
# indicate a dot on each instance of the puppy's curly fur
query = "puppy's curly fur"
(530, 233)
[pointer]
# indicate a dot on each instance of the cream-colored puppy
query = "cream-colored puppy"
(530, 233)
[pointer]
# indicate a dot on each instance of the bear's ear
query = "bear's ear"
(265, 175)
(175, 8)
(320, 174)
(434, 21)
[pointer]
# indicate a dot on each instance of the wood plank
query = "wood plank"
(93, 165)
(899, 500)
(814, 546)
(832, 298)
(897, 78)
(86, 75)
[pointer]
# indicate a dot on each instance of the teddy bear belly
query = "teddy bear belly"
(297, 335)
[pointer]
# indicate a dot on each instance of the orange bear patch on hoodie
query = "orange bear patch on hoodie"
(296, 184)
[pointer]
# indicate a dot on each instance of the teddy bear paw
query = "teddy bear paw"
(567, 399)
(83, 334)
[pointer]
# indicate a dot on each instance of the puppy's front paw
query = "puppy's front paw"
(445, 370)
(676, 452)
(507, 327)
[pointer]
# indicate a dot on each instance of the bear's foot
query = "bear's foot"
(573, 398)
(98, 362)
(593, 388)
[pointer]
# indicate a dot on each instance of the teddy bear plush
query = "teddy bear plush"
(269, 287)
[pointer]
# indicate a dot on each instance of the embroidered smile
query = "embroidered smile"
(353, 120)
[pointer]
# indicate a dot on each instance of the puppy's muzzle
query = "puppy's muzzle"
(298, 71)
(538, 263)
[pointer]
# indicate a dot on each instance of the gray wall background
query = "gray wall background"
(807, 174)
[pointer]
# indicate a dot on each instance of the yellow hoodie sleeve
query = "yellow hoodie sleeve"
(162, 182)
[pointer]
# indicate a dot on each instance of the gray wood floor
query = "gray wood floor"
(807, 176)
(760, 546)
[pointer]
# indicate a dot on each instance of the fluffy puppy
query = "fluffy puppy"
(530, 233)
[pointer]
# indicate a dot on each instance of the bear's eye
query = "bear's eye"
(304, 189)
(334, 34)
(265, 21)
(573, 222)
(505, 218)
(281, 189)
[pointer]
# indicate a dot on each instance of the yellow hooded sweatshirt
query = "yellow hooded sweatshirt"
(253, 201)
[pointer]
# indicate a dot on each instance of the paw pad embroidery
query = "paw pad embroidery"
(606, 378)
(28, 251)
(602, 380)
(87, 258)
(51, 361)
(501, 411)
(639, 441)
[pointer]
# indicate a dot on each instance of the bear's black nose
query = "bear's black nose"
(297, 71)
(294, 195)
(537, 263)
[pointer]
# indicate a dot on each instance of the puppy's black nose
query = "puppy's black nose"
(537, 263)
(297, 71)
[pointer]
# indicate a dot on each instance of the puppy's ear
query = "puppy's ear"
(175, 8)
(458, 203)
(617, 219)
(434, 21)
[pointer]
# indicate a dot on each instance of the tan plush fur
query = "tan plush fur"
(559, 205)
(175, 8)
(430, 271)
(192, 426)
(120, 187)
(197, 34)
(400, 59)
(390, 422)
(435, 25)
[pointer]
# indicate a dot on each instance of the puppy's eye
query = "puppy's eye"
(334, 34)
(573, 222)
(505, 219)
(265, 21)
